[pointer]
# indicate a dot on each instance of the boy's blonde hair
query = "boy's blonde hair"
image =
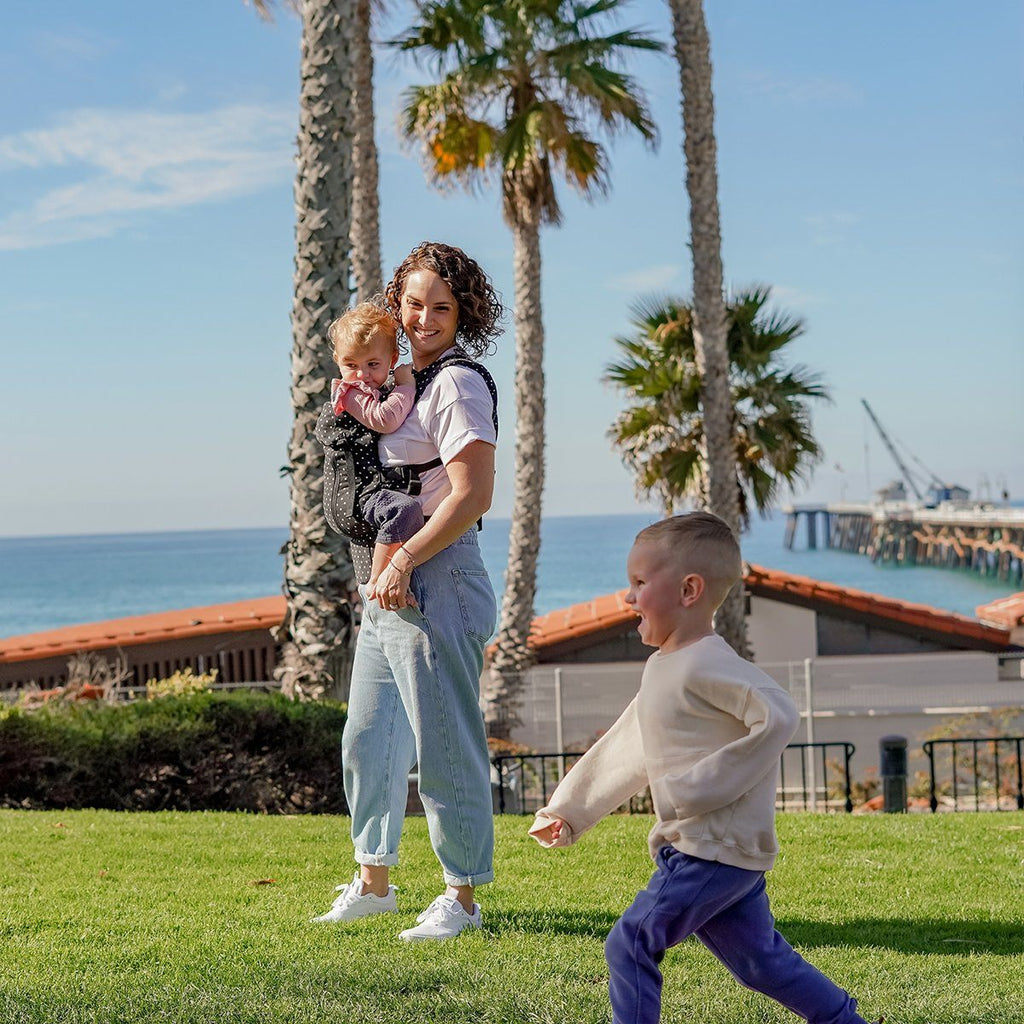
(362, 327)
(701, 543)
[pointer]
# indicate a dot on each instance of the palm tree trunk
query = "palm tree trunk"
(365, 189)
(512, 655)
(693, 53)
(318, 627)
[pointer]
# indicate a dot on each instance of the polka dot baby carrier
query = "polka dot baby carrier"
(352, 466)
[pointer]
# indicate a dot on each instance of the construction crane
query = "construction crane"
(936, 481)
(892, 450)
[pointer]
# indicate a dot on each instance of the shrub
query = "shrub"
(183, 681)
(194, 750)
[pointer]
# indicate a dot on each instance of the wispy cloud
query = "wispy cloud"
(809, 91)
(114, 166)
(75, 43)
(648, 279)
(170, 93)
(830, 228)
(794, 299)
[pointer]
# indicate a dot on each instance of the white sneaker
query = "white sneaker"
(353, 903)
(443, 919)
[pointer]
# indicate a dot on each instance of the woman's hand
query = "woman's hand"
(391, 588)
(471, 476)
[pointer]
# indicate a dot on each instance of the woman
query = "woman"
(415, 679)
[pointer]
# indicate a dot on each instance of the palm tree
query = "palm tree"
(661, 433)
(693, 53)
(317, 632)
(522, 85)
(365, 231)
(365, 180)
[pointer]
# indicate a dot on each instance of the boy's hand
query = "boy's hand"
(550, 831)
(403, 373)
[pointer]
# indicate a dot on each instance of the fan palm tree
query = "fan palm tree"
(365, 231)
(317, 632)
(661, 432)
(366, 264)
(522, 86)
(693, 54)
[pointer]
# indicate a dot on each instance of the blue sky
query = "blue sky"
(870, 171)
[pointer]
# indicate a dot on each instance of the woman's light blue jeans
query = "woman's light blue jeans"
(415, 698)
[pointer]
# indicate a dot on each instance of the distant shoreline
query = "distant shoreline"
(264, 529)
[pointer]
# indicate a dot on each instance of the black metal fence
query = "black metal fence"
(976, 773)
(824, 784)
(523, 782)
(809, 779)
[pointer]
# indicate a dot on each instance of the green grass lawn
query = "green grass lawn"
(111, 917)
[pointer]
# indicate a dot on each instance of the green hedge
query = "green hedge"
(198, 751)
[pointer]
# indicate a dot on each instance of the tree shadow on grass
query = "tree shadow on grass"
(903, 935)
(910, 935)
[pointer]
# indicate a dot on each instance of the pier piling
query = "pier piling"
(980, 539)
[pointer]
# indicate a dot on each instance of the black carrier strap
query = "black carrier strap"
(457, 358)
(407, 478)
(352, 468)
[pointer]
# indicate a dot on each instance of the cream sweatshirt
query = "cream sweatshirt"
(705, 731)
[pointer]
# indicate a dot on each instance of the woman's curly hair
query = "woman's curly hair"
(480, 309)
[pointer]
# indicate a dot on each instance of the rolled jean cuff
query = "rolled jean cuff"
(480, 878)
(377, 860)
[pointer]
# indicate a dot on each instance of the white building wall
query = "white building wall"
(781, 632)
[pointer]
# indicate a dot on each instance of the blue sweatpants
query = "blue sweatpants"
(727, 909)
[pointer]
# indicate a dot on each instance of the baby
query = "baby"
(366, 349)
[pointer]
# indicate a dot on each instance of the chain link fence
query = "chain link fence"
(841, 699)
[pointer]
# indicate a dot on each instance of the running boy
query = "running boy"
(366, 350)
(706, 732)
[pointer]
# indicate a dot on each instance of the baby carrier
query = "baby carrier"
(352, 466)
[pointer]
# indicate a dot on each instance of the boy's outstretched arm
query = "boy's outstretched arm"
(607, 775)
(550, 831)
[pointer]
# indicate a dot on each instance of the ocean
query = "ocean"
(46, 582)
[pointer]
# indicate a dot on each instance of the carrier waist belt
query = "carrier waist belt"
(407, 478)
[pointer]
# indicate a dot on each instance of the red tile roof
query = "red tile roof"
(1007, 612)
(803, 590)
(589, 618)
(607, 612)
(235, 617)
(612, 612)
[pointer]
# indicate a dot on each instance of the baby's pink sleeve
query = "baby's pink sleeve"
(383, 416)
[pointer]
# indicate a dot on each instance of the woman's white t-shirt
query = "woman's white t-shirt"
(453, 411)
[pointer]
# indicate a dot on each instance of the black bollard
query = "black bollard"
(893, 757)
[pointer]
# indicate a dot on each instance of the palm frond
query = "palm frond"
(583, 12)
(447, 30)
(265, 8)
(610, 97)
(585, 165)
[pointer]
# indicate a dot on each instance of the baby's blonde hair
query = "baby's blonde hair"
(701, 543)
(360, 328)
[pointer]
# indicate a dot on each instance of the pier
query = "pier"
(984, 539)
